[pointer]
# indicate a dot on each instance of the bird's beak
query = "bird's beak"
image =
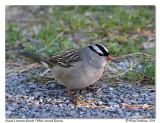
(109, 58)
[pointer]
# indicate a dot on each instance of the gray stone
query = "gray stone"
(29, 104)
(52, 85)
(139, 67)
(73, 113)
(135, 95)
(32, 86)
(133, 101)
(120, 111)
(119, 101)
(150, 102)
(30, 99)
(45, 115)
(88, 115)
(11, 108)
(40, 100)
(36, 94)
(8, 112)
(89, 94)
(23, 109)
(72, 106)
(130, 59)
(125, 61)
(23, 116)
(27, 91)
(137, 114)
(121, 85)
(104, 109)
(128, 114)
(81, 116)
(46, 105)
(58, 114)
(127, 101)
(99, 102)
(60, 105)
(81, 107)
(112, 110)
(121, 64)
(30, 83)
(114, 99)
(81, 112)
(36, 104)
(143, 95)
(64, 98)
(67, 101)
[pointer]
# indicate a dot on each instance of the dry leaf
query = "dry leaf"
(131, 106)
(96, 106)
(145, 106)
(136, 106)
(138, 30)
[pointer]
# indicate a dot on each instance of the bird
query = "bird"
(77, 68)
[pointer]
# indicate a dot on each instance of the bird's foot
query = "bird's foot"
(91, 89)
(76, 100)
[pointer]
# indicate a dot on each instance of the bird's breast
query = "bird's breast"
(77, 77)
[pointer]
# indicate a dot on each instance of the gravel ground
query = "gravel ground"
(30, 100)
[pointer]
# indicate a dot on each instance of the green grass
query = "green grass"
(110, 25)
(145, 74)
(12, 34)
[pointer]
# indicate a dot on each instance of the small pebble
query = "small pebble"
(139, 67)
(89, 94)
(36, 104)
(81, 113)
(8, 112)
(32, 86)
(111, 89)
(73, 113)
(137, 114)
(30, 100)
(30, 83)
(100, 102)
(119, 110)
(121, 64)
(112, 110)
(41, 100)
(29, 104)
(11, 108)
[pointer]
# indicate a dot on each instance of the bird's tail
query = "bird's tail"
(37, 58)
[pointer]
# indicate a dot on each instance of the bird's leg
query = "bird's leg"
(71, 96)
(75, 100)
(91, 89)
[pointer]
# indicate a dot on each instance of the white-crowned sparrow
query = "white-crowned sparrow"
(78, 68)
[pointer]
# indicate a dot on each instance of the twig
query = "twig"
(17, 64)
(100, 88)
(46, 71)
(124, 56)
(128, 69)
(58, 36)
(96, 106)
(30, 66)
(113, 70)
(114, 76)
(47, 83)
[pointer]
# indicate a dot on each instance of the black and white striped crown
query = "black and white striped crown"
(99, 49)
